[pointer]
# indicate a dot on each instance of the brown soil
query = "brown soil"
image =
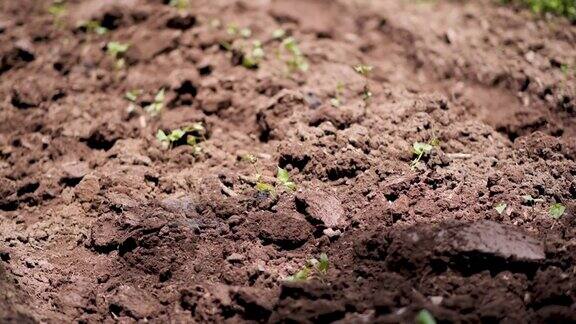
(100, 222)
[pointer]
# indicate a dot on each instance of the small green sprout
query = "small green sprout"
(261, 186)
(424, 317)
(116, 51)
(302, 274)
(94, 27)
(251, 59)
(296, 60)
(314, 268)
(245, 32)
(250, 158)
(565, 68)
(193, 134)
(336, 100)
(420, 149)
(556, 210)
(278, 33)
(364, 70)
(501, 207)
(284, 178)
(232, 29)
(157, 105)
(180, 4)
(264, 187)
(58, 10)
(132, 96)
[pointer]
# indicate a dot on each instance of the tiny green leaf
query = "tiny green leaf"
(556, 210)
(323, 264)
(278, 33)
(424, 317)
(420, 148)
(161, 136)
(250, 158)
(115, 49)
(284, 178)
(501, 207)
(264, 187)
(132, 95)
(363, 69)
(301, 275)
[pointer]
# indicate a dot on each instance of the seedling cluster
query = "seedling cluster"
(180, 4)
(116, 51)
(254, 56)
(314, 268)
(555, 210)
(296, 60)
(58, 10)
(282, 177)
(156, 106)
(192, 135)
(364, 70)
(94, 27)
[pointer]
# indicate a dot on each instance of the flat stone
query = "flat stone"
(321, 208)
(499, 240)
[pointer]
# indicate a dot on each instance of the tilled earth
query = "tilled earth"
(99, 221)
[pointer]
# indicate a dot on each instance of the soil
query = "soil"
(100, 222)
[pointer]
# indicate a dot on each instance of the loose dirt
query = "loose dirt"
(99, 222)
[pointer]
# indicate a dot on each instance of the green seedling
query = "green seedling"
(94, 27)
(420, 149)
(278, 33)
(132, 97)
(565, 8)
(58, 10)
(262, 186)
(253, 58)
(180, 4)
(314, 268)
(156, 107)
(116, 51)
(556, 210)
(336, 100)
(193, 133)
(364, 70)
(284, 178)
(232, 29)
(501, 207)
(265, 188)
(245, 32)
(296, 60)
(424, 317)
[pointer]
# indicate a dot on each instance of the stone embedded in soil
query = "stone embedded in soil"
(88, 188)
(146, 45)
(235, 257)
(179, 204)
(74, 169)
(285, 230)
(133, 302)
(496, 239)
(321, 208)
